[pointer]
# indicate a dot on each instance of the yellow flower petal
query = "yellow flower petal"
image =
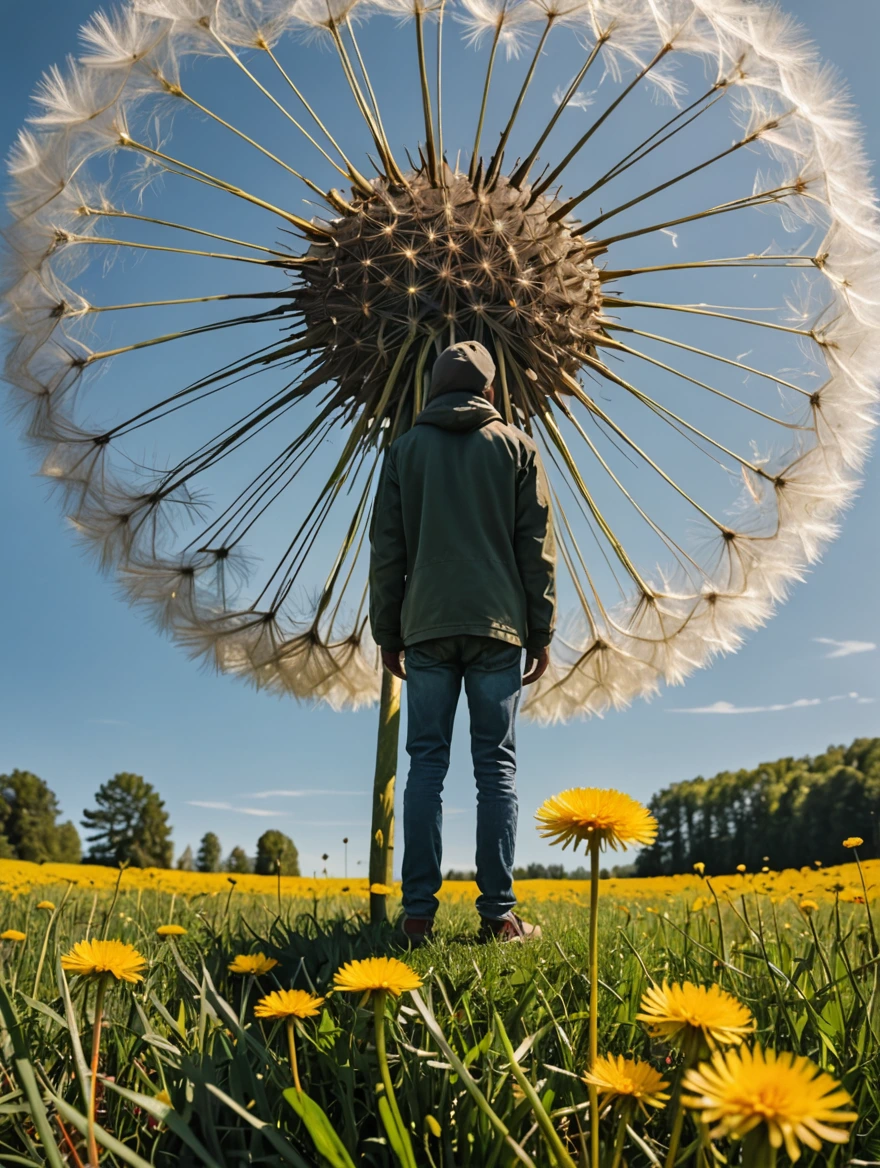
(90, 958)
(786, 1094)
(171, 931)
(692, 1016)
(622, 1080)
(288, 1004)
(853, 841)
(582, 814)
(255, 964)
(376, 973)
(13, 935)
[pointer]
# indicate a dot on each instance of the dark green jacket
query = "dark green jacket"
(462, 536)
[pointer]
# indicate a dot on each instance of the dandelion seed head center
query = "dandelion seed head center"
(538, 286)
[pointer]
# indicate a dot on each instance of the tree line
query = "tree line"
(128, 825)
(786, 814)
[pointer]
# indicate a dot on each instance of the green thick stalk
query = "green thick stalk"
(291, 1050)
(594, 996)
(382, 836)
(382, 1058)
(93, 1081)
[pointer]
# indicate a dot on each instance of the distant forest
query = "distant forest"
(786, 814)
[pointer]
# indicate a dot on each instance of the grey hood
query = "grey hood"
(458, 411)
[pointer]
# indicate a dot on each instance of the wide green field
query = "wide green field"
(485, 1061)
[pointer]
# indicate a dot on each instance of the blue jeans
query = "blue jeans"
(492, 674)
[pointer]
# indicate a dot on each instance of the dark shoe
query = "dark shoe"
(508, 928)
(418, 930)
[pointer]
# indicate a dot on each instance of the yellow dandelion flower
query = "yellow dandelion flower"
(808, 906)
(381, 889)
(700, 868)
(740, 867)
(433, 1127)
(13, 935)
(853, 841)
(90, 958)
(622, 1080)
(376, 973)
(739, 1090)
(171, 931)
(256, 964)
(591, 813)
(46, 906)
(288, 1004)
(694, 1017)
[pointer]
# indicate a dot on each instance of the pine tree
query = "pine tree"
(130, 825)
(208, 855)
(238, 861)
(185, 860)
(28, 822)
(274, 847)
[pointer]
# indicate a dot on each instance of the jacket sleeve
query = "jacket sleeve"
(387, 559)
(535, 550)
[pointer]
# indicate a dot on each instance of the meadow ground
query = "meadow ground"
(479, 1068)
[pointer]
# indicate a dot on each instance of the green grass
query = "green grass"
(189, 1029)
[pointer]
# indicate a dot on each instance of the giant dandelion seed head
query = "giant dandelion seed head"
(693, 408)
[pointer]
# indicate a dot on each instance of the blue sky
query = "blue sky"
(87, 688)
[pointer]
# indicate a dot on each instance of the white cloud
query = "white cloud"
(775, 708)
(264, 811)
(845, 648)
(284, 793)
(730, 708)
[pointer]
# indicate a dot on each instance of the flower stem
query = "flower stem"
(594, 996)
(93, 1081)
(291, 1046)
(382, 1058)
(619, 1140)
(875, 946)
(675, 1139)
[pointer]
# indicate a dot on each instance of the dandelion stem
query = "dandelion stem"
(566, 208)
(379, 997)
(308, 229)
(707, 353)
(475, 155)
(618, 346)
(675, 1138)
(875, 949)
(115, 214)
(93, 1081)
(495, 164)
(178, 92)
(771, 195)
(582, 141)
(291, 1047)
(360, 182)
(238, 61)
(110, 241)
(614, 302)
(426, 95)
(594, 995)
(523, 170)
(647, 145)
(619, 1139)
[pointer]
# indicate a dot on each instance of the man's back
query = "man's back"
(462, 515)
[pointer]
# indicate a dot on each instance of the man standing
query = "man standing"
(462, 579)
